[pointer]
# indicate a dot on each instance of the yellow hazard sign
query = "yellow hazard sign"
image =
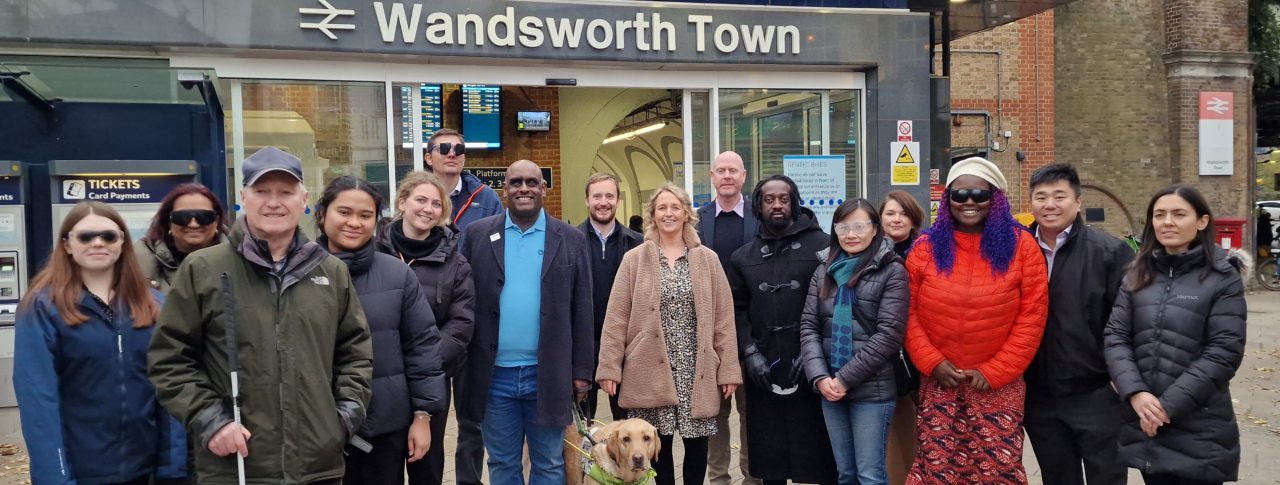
(904, 155)
(906, 163)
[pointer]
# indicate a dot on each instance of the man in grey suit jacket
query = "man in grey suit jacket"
(725, 225)
(533, 347)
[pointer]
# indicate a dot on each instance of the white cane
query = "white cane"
(233, 362)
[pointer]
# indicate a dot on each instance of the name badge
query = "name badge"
(494, 237)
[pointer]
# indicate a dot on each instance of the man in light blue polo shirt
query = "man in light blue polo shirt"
(533, 348)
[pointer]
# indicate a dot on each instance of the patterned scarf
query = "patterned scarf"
(841, 270)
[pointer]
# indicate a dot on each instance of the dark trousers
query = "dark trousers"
(1069, 431)
(468, 459)
(383, 465)
(590, 405)
(430, 469)
(1163, 479)
(695, 461)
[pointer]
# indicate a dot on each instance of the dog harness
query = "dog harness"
(598, 474)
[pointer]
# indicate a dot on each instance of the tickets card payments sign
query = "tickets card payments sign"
(117, 189)
(11, 191)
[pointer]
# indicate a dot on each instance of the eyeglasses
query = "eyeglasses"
(87, 237)
(531, 182)
(443, 148)
(977, 195)
(860, 227)
(202, 217)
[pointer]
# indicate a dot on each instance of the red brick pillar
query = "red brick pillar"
(1207, 51)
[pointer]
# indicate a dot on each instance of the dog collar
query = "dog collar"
(599, 475)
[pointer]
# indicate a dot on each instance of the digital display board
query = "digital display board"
(427, 113)
(482, 115)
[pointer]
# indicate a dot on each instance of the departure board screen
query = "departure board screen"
(427, 113)
(482, 115)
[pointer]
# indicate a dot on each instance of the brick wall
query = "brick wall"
(1112, 105)
(1129, 117)
(542, 147)
(1015, 87)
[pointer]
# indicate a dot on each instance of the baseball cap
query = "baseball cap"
(270, 159)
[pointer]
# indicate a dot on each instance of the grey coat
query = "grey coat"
(1181, 338)
(883, 293)
(566, 342)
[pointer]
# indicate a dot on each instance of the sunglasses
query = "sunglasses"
(530, 182)
(443, 148)
(977, 195)
(202, 217)
(87, 237)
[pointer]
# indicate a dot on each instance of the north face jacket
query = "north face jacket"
(305, 357)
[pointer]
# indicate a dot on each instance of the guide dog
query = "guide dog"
(624, 449)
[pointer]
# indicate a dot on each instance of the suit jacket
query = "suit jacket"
(707, 222)
(566, 341)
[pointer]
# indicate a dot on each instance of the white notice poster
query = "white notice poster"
(822, 183)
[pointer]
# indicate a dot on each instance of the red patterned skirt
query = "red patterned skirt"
(968, 436)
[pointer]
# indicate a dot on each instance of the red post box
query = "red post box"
(1230, 232)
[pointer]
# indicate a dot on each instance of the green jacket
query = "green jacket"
(158, 262)
(304, 351)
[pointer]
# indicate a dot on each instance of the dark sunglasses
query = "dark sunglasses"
(977, 195)
(86, 237)
(202, 217)
(530, 182)
(443, 148)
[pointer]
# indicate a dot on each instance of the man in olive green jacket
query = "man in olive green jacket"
(303, 348)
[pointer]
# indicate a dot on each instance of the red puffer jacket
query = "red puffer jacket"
(973, 318)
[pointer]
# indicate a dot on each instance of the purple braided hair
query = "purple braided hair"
(999, 235)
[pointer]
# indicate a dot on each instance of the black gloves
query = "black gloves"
(757, 369)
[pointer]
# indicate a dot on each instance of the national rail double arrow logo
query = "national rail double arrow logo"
(327, 26)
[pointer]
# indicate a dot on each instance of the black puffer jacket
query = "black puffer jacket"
(1181, 338)
(883, 293)
(407, 372)
(445, 276)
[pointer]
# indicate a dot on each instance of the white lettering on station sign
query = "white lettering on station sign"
(410, 23)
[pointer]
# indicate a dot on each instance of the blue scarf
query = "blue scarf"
(841, 270)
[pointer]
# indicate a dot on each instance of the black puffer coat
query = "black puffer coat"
(883, 292)
(407, 372)
(445, 276)
(1181, 338)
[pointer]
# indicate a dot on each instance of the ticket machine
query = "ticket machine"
(13, 269)
(133, 187)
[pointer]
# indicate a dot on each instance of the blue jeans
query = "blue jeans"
(858, 432)
(510, 419)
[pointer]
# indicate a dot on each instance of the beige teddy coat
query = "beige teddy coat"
(633, 349)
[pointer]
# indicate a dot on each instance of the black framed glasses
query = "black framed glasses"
(531, 182)
(443, 148)
(86, 237)
(202, 217)
(976, 195)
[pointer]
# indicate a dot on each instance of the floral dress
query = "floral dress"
(679, 327)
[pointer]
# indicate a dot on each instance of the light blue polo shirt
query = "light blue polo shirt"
(520, 304)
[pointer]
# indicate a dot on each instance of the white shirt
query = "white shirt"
(1057, 245)
(457, 190)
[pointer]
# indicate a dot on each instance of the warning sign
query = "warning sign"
(905, 130)
(933, 210)
(906, 163)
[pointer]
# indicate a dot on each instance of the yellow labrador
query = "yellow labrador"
(624, 449)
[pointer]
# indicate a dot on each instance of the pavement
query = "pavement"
(1256, 391)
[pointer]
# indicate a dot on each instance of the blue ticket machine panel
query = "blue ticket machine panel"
(133, 187)
(13, 269)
